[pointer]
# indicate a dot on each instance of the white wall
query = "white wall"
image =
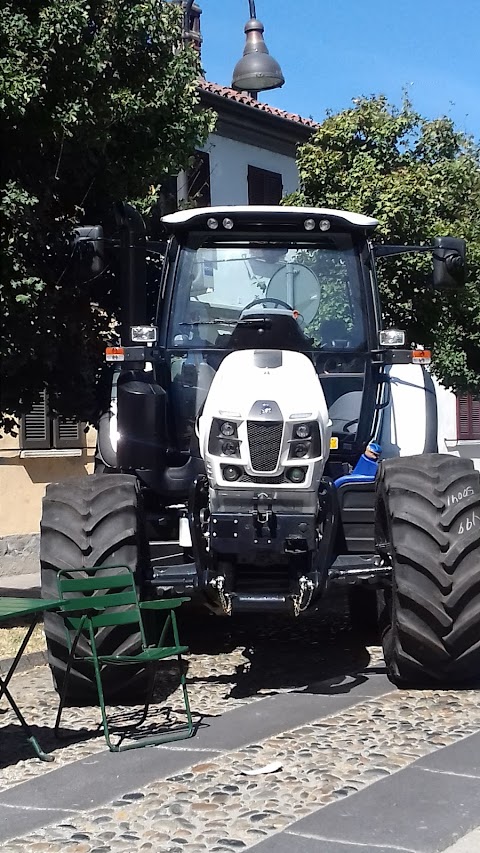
(229, 161)
(447, 428)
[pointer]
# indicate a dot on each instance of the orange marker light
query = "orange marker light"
(421, 356)
(115, 354)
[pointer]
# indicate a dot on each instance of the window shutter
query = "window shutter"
(67, 433)
(264, 187)
(35, 426)
(468, 418)
(475, 418)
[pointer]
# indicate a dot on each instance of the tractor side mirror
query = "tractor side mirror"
(449, 268)
(88, 252)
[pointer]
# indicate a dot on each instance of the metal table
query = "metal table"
(9, 609)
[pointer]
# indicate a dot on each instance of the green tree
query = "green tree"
(98, 103)
(420, 179)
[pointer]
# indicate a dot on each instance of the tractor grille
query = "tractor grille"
(265, 439)
(264, 480)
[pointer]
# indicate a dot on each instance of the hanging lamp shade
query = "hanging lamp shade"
(256, 71)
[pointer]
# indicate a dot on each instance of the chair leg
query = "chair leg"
(183, 680)
(151, 684)
(186, 700)
(176, 637)
(63, 696)
(164, 632)
(112, 747)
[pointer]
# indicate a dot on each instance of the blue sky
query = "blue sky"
(331, 51)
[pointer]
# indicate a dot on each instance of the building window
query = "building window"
(468, 418)
(199, 180)
(264, 187)
(39, 431)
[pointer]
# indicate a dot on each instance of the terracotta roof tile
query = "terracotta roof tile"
(248, 101)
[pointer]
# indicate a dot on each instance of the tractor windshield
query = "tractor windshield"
(217, 284)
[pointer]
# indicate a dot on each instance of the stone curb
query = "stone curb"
(27, 662)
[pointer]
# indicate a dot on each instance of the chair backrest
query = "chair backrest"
(82, 596)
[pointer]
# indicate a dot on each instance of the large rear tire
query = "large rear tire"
(428, 526)
(92, 521)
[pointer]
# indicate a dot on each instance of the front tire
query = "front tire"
(86, 522)
(428, 526)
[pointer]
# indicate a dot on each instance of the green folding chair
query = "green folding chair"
(84, 610)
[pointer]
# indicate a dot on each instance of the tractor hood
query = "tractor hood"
(265, 415)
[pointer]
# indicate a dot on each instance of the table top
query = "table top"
(10, 607)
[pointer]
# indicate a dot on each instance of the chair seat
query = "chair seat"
(146, 655)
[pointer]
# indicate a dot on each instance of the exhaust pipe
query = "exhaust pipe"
(133, 269)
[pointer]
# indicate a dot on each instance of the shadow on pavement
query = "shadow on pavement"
(282, 653)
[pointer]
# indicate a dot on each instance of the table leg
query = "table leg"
(26, 728)
(4, 691)
(5, 681)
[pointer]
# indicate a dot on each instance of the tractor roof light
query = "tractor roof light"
(227, 223)
(144, 334)
(212, 223)
(309, 224)
(391, 338)
(324, 225)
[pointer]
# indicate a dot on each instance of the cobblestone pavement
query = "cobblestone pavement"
(212, 805)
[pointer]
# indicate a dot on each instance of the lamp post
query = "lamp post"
(256, 71)
(188, 34)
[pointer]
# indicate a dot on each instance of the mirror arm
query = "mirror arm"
(381, 251)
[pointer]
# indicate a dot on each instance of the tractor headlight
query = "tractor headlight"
(223, 439)
(227, 428)
(302, 431)
(229, 448)
(296, 475)
(305, 441)
(300, 449)
(231, 473)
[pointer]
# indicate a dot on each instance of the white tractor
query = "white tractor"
(240, 455)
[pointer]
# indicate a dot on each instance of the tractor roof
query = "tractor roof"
(194, 218)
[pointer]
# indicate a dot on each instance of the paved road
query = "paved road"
(365, 768)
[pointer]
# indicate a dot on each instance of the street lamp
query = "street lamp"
(256, 71)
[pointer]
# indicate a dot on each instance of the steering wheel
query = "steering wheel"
(276, 302)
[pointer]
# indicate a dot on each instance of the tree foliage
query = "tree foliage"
(98, 103)
(420, 179)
